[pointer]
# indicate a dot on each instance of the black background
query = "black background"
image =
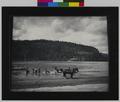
(7, 26)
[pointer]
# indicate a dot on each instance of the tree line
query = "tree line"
(48, 50)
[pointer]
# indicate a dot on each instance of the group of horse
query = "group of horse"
(63, 71)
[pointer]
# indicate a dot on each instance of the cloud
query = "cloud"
(90, 31)
(97, 26)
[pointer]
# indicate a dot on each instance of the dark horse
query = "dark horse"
(67, 71)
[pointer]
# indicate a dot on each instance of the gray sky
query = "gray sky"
(91, 31)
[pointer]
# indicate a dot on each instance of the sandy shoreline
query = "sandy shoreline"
(76, 88)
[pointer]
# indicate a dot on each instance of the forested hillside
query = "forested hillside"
(37, 50)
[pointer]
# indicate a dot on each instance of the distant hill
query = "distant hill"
(37, 50)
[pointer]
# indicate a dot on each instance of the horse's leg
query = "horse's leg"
(27, 72)
(33, 71)
(36, 72)
(72, 75)
(64, 74)
(39, 72)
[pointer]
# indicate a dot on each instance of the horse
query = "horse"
(70, 71)
(58, 70)
(46, 72)
(27, 71)
(53, 72)
(36, 71)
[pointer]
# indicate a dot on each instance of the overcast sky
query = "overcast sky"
(91, 31)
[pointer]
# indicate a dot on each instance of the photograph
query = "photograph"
(58, 54)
